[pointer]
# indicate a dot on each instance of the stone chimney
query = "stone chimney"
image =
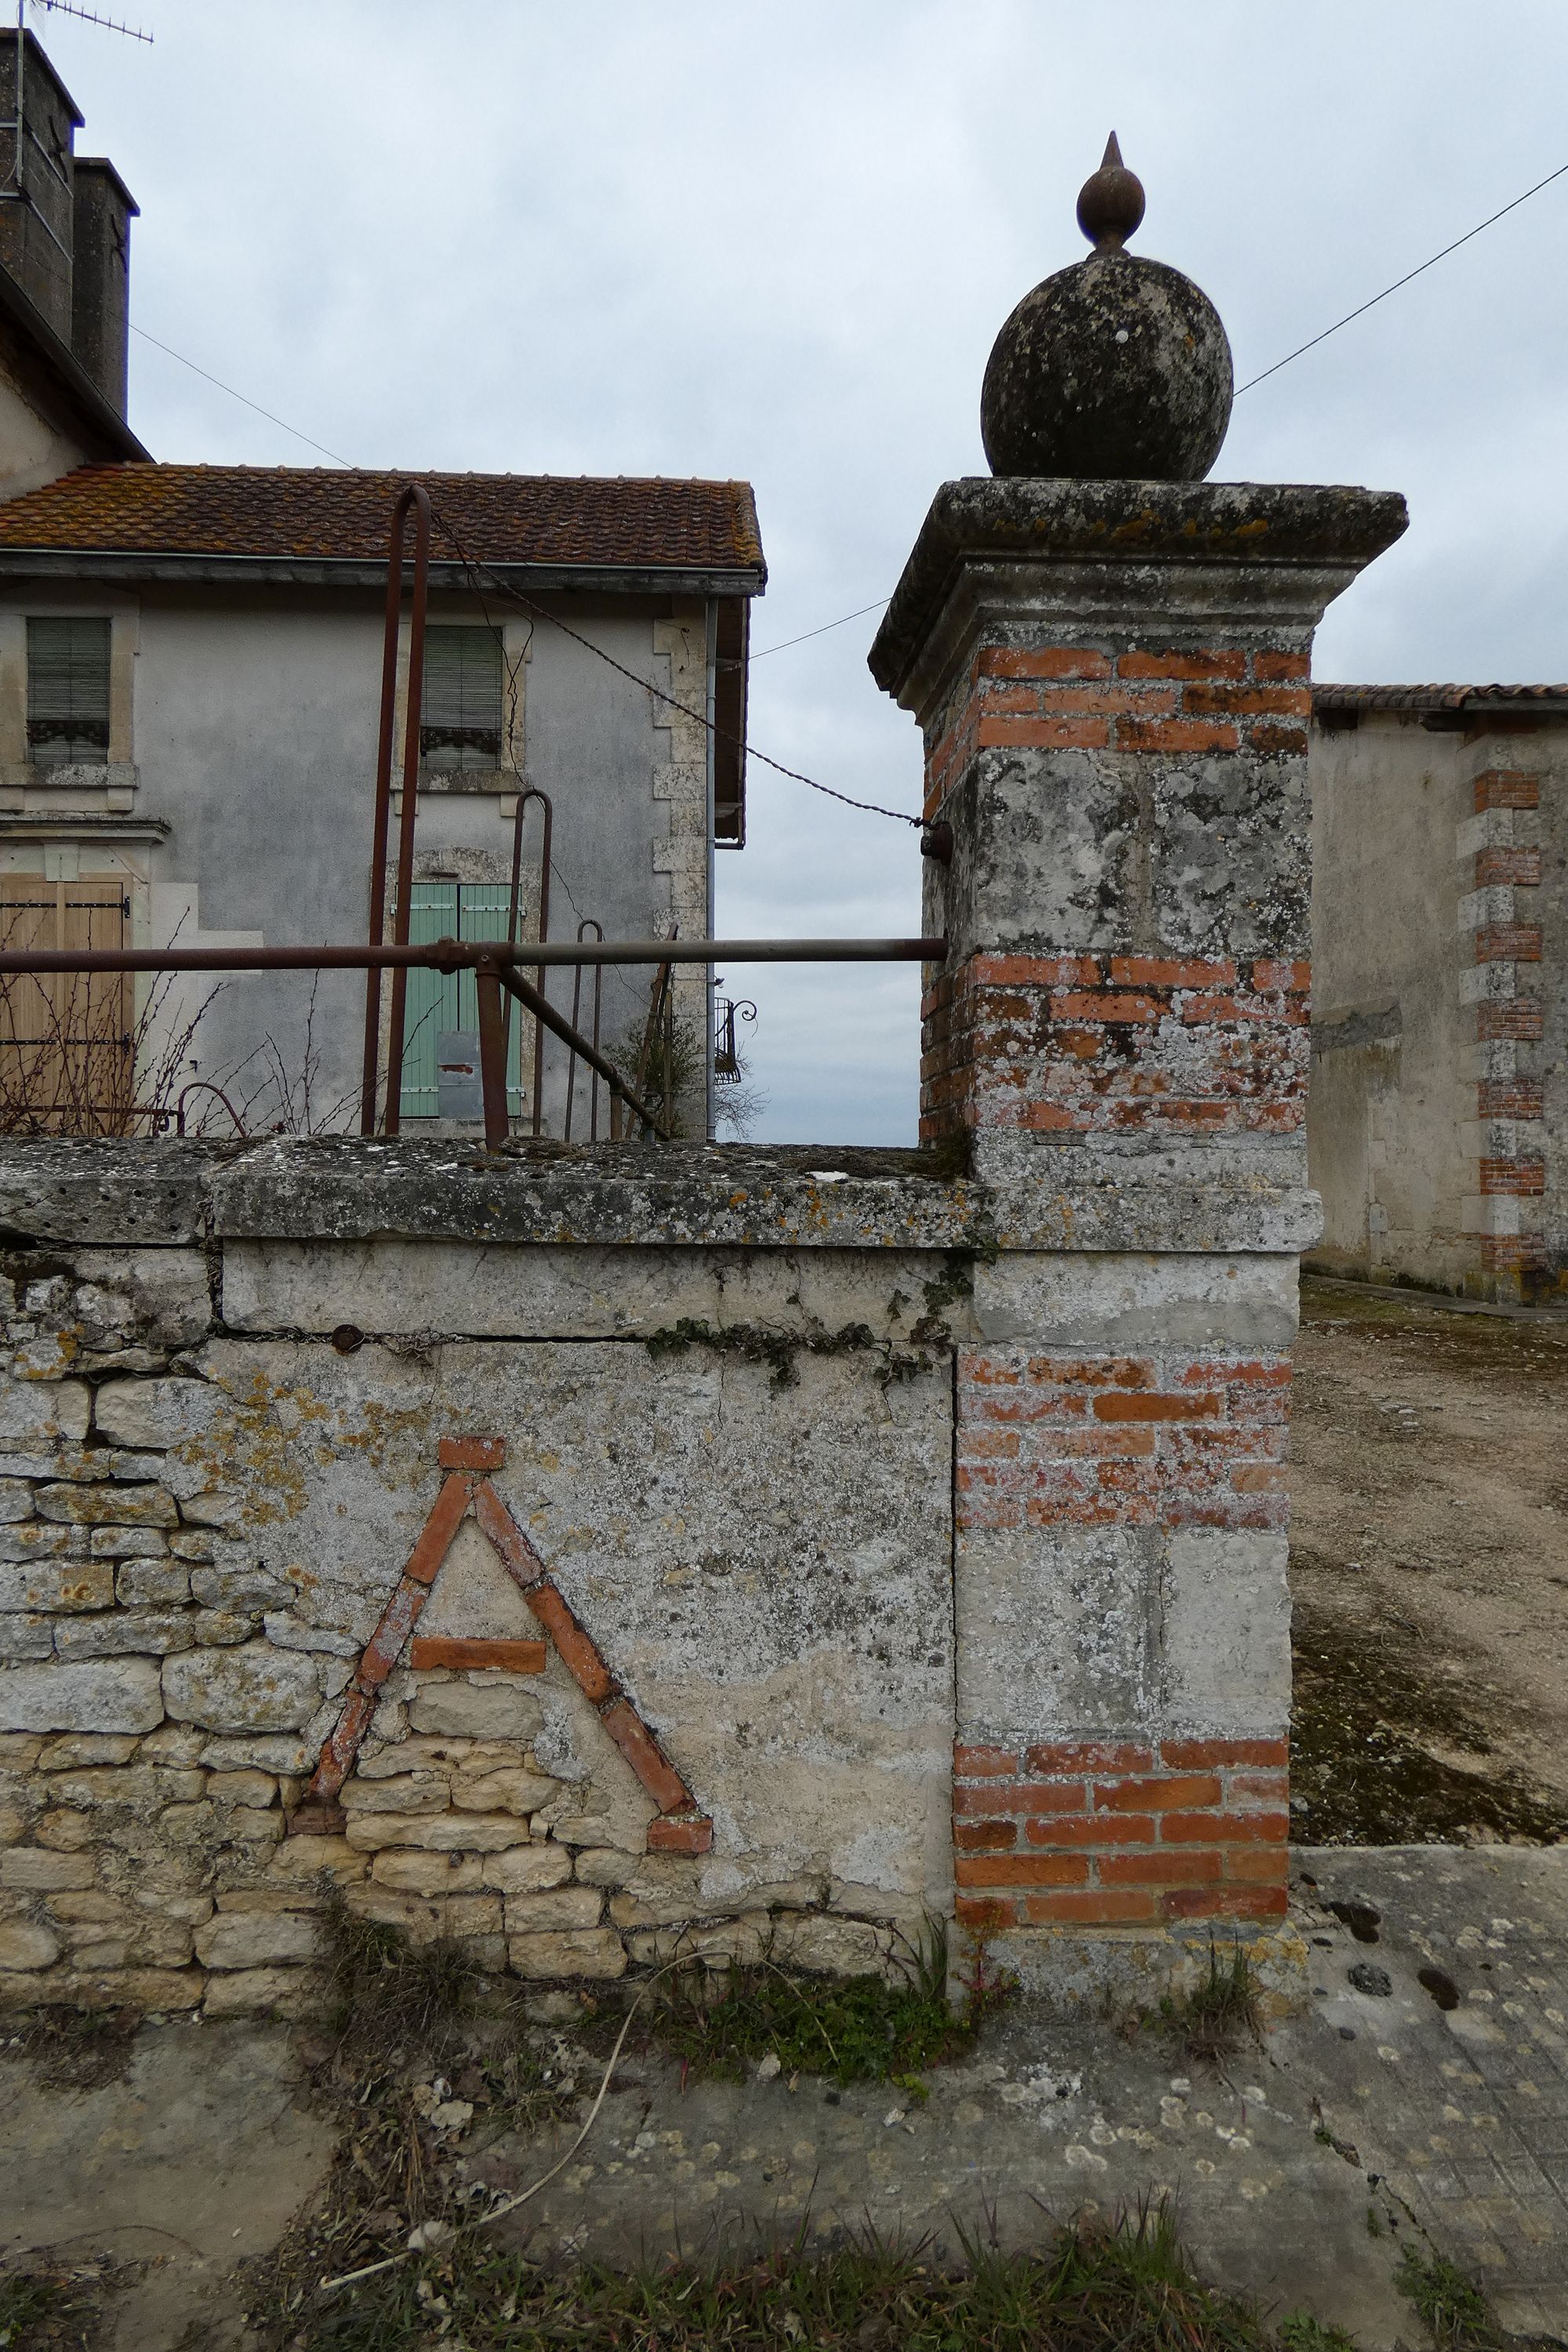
(1110, 660)
(37, 178)
(103, 211)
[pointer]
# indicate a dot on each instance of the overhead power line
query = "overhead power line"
(241, 397)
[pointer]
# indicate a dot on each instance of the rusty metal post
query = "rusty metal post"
(583, 927)
(415, 699)
(414, 496)
(514, 909)
(492, 1057)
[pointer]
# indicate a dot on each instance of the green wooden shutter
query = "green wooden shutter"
(460, 717)
(67, 691)
(437, 1001)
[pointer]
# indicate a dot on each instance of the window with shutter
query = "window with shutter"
(460, 717)
(67, 692)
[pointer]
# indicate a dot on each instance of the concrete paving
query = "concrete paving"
(1301, 2169)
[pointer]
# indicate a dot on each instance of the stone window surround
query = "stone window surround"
(107, 788)
(517, 651)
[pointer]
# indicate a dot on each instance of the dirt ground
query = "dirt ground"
(1429, 1563)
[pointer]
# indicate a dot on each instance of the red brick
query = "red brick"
(1520, 1019)
(645, 1757)
(1117, 1009)
(1521, 1179)
(1273, 739)
(1176, 735)
(993, 1798)
(1518, 868)
(1170, 971)
(1224, 1828)
(984, 1911)
(435, 1536)
(1173, 1793)
(517, 1555)
(1509, 943)
(1280, 665)
(681, 1834)
(1092, 1830)
(985, 1837)
(1276, 972)
(464, 1656)
(1225, 1903)
(1250, 701)
(1260, 1479)
(1044, 734)
(1507, 788)
(1088, 1756)
(1258, 1866)
(578, 1651)
(1188, 1869)
(1119, 1405)
(1043, 661)
(1097, 1906)
(1200, 662)
(1217, 1752)
(974, 1763)
(1511, 1098)
(471, 1453)
(1032, 971)
(1021, 1869)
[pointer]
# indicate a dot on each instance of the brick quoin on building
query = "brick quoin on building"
(1119, 1039)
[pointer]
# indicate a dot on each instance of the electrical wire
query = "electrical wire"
(241, 397)
(784, 647)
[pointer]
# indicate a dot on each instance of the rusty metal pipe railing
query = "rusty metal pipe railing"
(584, 927)
(415, 699)
(454, 955)
(416, 498)
(543, 1010)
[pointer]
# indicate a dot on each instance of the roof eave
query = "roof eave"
(105, 429)
(358, 571)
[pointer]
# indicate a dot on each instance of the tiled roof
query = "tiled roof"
(1433, 698)
(316, 513)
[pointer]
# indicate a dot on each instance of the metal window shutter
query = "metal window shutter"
(461, 712)
(68, 687)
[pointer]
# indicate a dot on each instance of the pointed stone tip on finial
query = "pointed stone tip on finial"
(1111, 202)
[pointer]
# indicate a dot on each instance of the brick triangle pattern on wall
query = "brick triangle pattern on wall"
(680, 1828)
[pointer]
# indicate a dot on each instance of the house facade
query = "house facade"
(190, 685)
(1438, 1119)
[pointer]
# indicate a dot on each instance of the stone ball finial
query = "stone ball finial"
(1115, 369)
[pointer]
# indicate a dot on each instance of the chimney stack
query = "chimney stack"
(101, 215)
(38, 123)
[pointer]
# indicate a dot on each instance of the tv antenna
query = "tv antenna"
(85, 16)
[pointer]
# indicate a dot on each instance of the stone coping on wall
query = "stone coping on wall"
(175, 1191)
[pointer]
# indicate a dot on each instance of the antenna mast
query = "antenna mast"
(86, 16)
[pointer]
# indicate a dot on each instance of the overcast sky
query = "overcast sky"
(724, 238)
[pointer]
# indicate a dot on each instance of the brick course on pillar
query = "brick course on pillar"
(1112, 682)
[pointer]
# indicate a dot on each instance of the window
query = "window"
(460, 717)
(439, 1002)
(67, 692)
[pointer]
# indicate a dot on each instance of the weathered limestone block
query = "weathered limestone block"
(16, 1499)
(38, 1415)
(144, 1786)
(443, 1832)
(291, 1992)
(59, 1585)
(156, 1414)
(108, 1694)
(593, 1952)
(251, 1689)
(249, 1939)
(568, 1907)
(476, 1711)
(528, 1869)
(158, 1297)
(1227, 1630)
(242, 1788)
(212, 1506)
(306, 1858)
(410, 1792)
(113, 1988)
(93, 1507)
(714, 1943)
(152, 1632)
(65, 1830)
(80, 1751)
(26, 1638)
(412, 1873)
(605, 1866)
(509, 1793)
(24, 1944)
(225, 1586)
(33, 1870)
(829, 1948)
(470, 1915)
(145, 1584)
(274, 1752)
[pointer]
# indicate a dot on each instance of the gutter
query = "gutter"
(357, 571)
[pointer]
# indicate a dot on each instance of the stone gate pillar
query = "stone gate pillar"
(1110, 660)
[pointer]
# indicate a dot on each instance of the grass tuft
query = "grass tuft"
(384, 1992)
(43, 2309)
(1221, 2012)
(1103, 2282)
(1299, 2332)
(853, 2030)
(1455, 2310)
